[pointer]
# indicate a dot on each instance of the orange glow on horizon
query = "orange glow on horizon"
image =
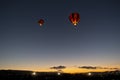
(67, 70)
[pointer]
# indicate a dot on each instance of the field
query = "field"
(29, 75)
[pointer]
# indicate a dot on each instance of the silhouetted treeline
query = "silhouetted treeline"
(27, 75)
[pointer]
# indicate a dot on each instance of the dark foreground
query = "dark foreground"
(27, 75)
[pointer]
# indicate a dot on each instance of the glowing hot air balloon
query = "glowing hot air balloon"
(41, 22)
(74, 18)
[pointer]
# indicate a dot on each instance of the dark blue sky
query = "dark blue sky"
(24, 43)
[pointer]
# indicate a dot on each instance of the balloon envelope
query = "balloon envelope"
(74, 18)
(41, 22)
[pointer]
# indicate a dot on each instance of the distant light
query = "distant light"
(89, 74)
(34, 73)
(58, 73)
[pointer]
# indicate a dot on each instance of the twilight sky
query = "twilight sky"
(26, 45)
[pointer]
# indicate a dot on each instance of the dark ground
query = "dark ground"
(27, 75)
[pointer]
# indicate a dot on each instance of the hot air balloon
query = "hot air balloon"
(41, 22)
(74, 18)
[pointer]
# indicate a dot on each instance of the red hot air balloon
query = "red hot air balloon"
(41, 22)
(74, 18)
